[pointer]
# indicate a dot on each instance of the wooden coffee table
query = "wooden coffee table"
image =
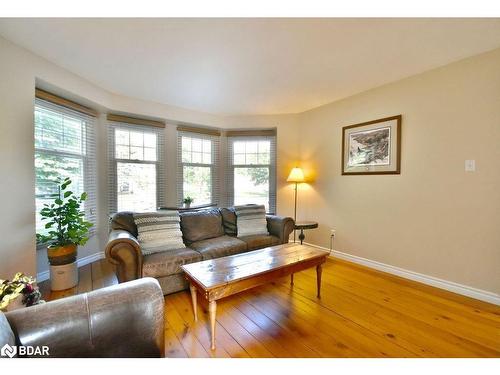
(223, 277)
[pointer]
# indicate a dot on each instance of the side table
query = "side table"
(304, 225)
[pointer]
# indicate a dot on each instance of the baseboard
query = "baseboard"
(45, 275)
(451, 286)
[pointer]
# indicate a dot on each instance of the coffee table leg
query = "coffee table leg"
(193, 298)
(319, 269)
(291, 279)
(212, 309)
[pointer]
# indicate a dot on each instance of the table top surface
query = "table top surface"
(306, 225)
(213, 273)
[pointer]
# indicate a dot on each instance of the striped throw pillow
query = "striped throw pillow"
(158, 231)
(251, 220)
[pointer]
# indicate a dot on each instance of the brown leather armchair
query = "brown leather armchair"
(125, 320)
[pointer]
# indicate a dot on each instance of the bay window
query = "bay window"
(198, 155)
(136, 167)
(64, 147)
(251, 174)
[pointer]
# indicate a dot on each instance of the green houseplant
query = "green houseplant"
(187, 201)
(66, 224)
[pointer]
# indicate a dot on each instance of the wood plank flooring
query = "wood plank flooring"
(362, 313)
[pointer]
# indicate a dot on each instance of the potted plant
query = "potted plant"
(187, 201)
(67, 226)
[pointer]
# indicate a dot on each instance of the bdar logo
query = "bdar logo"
(23, 351)
(8, 351)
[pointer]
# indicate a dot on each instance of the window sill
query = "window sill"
(40, 246)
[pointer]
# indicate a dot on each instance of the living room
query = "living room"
(250, 187)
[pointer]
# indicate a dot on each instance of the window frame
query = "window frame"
(160, 164)
(86, 156)
(214, 166)
(231, 167)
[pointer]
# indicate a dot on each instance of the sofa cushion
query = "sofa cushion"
(259, 241)
(251, 220)
(168, 262)
(201, 225)
(124, 220)
(219, 247)
(158, 231)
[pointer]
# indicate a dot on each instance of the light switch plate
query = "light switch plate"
(470, 165)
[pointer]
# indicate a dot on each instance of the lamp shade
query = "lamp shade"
(296, 175)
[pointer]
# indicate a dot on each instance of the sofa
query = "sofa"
(124, 320)
(207, 234)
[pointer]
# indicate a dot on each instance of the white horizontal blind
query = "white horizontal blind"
(65, 146)
(135, 149)
(199, 151)
(255, 155)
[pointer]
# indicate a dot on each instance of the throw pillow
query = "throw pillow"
(251, 220)
(158, 231)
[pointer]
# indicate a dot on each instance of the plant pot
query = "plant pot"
(63, 277)
(187, 205)
(60, 255)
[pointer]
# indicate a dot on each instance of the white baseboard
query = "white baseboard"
(45, 275)
(451, 286)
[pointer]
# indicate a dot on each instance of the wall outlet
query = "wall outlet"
(470, 165)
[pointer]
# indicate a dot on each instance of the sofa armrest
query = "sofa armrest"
(124, 320)
(124, 252)
(280, 226)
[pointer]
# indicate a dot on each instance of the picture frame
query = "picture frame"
(372, 147)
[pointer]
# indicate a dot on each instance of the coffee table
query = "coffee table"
(223, 277)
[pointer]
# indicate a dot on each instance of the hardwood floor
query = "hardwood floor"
(362, 313)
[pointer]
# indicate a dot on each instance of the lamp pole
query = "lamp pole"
(295, 211)
(296, 176)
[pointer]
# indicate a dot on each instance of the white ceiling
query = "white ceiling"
(250, 66)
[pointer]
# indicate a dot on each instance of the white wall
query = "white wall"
(20, 70)
(434, 218)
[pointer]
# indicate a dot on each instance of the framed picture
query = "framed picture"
(372, 147)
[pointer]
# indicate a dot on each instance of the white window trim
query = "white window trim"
(231, 167)
(113, 162)
(214, 167)
(88, 160)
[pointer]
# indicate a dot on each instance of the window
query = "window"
(251, 170)
(198, 167)
(64, 147)
(136, 167)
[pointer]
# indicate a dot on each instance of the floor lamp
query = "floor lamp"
(296, 176)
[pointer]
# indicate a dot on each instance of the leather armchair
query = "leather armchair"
(124, 320)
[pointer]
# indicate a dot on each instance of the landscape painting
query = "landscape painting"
(372, 147)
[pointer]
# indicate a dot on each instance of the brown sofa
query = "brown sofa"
(207, 234)
(125, 320)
